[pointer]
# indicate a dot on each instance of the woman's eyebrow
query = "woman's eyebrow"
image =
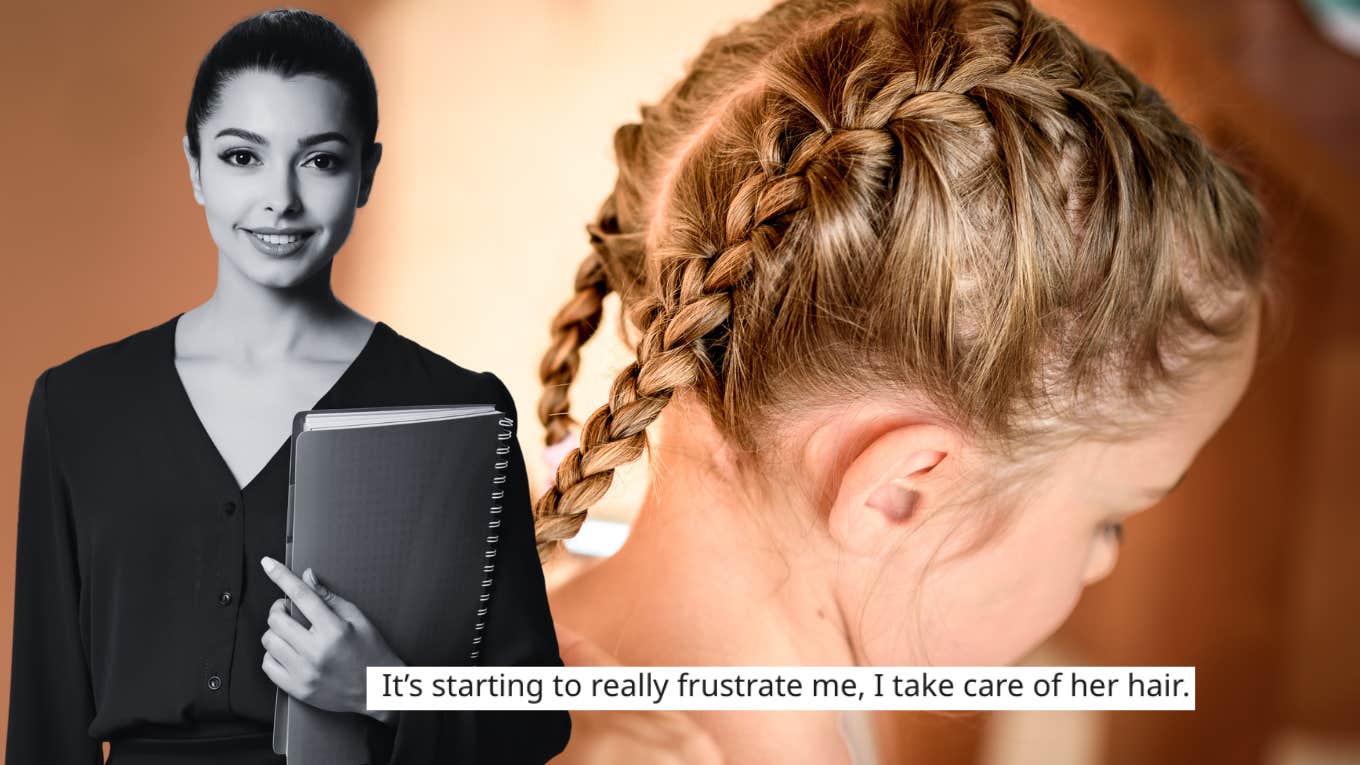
(313, 140)
(310, 140)
(246, 134)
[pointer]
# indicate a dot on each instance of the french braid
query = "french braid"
(957, 197)
(573, 325)
(614, 263)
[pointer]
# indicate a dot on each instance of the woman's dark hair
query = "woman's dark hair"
(287, 42)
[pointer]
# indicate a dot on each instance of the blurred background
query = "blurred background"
(497, 119)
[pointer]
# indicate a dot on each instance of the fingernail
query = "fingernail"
(895, 500)
(268, 563)
(309, 577)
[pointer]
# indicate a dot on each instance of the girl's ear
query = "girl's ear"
(195, 179)
(900, 477)
(370, 169)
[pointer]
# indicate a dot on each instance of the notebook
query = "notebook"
(397, 510)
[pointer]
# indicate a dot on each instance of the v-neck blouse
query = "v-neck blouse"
(356, 366)
(139, 598)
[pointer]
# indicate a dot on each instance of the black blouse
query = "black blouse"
(139, 597)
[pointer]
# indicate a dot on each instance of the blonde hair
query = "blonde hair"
(847, 199)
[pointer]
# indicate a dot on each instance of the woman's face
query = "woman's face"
(995, 604)
(280, 175)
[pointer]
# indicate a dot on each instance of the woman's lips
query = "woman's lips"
(278, 244)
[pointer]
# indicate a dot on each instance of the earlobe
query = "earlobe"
(195, 180)
(370, 170)
(889, 486)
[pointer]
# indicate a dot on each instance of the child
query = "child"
(928, 297)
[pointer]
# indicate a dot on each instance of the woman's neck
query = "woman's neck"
(249, 320)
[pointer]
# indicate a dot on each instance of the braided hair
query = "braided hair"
(842, 200)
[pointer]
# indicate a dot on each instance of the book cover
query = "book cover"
(396, 510)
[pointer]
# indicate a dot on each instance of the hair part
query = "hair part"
(287, 42)
(847, 200)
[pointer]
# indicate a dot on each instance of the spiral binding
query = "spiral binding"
(493, 536)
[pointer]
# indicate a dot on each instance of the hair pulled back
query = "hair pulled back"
(850, 199)
(287, 42)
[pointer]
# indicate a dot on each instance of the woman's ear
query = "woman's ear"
(890, 485)
(370, 169)
(195, 179)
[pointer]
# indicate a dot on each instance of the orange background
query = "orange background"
(497, 121)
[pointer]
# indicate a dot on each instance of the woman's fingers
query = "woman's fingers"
(324, 665)
(311, 604)
(288, 628)
(280, 677)
(323, 592)
(287, 656)
(286, 631)
(342, 608)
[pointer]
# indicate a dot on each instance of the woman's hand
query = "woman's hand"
(620, 737)
(325, 665)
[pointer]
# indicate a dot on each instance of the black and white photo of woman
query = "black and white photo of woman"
(149, 609)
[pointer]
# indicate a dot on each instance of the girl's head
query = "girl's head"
(280, 143)
(954, 276)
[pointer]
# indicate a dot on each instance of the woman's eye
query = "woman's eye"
(324, 162)
(239, 158)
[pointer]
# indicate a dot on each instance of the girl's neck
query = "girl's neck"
(711, 575)
(706, 578)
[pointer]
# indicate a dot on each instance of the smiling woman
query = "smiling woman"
(278, 175)
(154, 485)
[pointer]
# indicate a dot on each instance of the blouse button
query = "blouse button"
(214, 682)
(229, 508)
(224, 599)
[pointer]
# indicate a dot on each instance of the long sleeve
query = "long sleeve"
(51, 702)
(518, 632)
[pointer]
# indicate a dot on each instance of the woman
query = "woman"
(928, 297)
(155, 471)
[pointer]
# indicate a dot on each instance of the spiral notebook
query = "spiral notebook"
(397, 510)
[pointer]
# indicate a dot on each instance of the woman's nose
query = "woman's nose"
(283, 198)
